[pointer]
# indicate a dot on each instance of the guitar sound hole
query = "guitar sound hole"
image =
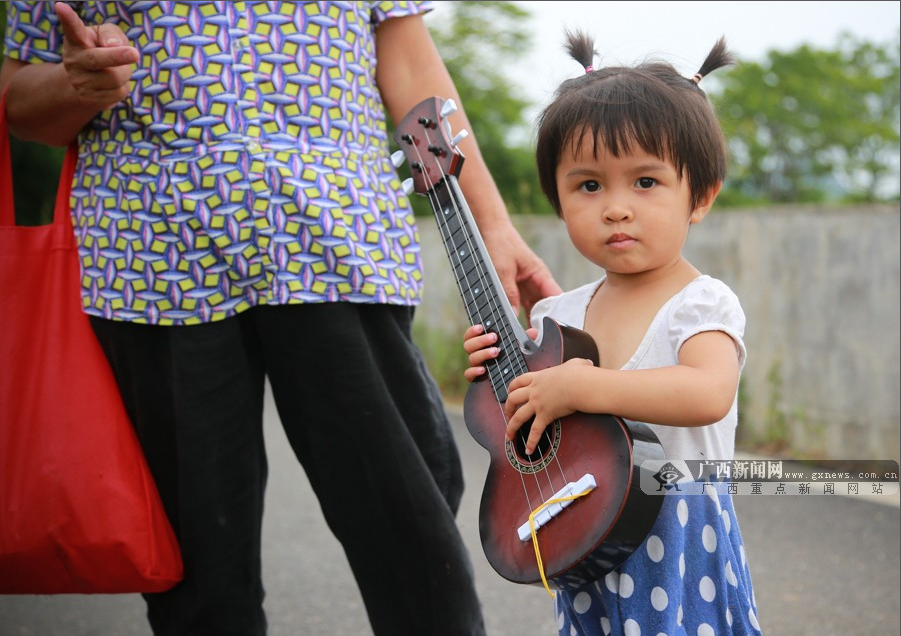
(542, 455)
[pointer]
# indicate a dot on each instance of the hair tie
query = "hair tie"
(589, 69)
(697, 78)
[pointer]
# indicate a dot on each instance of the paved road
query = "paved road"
(821, 566)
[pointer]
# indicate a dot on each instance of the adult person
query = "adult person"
(238, 218)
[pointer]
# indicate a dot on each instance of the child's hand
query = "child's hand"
(482, 347)
(479, 346)
(543, 395)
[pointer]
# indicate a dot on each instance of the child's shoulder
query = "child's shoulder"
(708, 285)
(568, 307)
(706, 290)
(705, 304)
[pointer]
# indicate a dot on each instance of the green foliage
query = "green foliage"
(477, 40)
(813, 125)
(35, 170)
(805, 125)
(445, 358)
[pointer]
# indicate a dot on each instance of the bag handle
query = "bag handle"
(63, 189)
(7, 209)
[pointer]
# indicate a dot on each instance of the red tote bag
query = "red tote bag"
(79, 510)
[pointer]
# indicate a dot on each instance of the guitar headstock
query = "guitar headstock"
(424, 137)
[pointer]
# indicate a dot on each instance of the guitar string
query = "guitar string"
(473, 307)
(493, 369)
(518, 367)
(517, 361)
(517, 364)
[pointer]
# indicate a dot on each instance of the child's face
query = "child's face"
(627, 214)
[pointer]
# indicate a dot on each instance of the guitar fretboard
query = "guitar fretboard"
(483, 297)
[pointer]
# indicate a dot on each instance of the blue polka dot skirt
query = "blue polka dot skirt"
(689, 578)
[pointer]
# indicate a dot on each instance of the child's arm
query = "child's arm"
(698, 391)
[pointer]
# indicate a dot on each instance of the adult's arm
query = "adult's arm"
(409, 70)
(51, 102)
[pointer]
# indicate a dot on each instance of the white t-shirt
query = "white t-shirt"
(705, 304)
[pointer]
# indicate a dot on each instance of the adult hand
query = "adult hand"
(97, 59)
(525, 277)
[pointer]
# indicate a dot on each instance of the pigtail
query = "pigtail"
(718, 57)
(581, 48)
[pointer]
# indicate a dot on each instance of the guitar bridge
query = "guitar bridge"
(573, 490)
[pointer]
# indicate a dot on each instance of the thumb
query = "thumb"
(511, 289)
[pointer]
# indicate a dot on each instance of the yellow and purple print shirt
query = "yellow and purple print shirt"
(249, 165)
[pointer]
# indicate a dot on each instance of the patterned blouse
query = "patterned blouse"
(249, 165)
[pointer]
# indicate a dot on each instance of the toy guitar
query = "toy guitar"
(583, 480)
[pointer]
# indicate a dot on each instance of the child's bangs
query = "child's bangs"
(615, 121)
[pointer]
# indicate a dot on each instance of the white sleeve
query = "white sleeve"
(709, 305)
(568, 308)
(541, 309)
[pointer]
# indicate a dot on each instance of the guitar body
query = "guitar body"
(598, 531)
(598, 457)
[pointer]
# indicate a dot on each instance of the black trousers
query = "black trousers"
(364, 417)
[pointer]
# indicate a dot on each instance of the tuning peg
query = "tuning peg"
(407, 186)
(397, 158)
(460, 136)
(449, 107)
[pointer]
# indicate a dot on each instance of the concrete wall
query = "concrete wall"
(820, 288)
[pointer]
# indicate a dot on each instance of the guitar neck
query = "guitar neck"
(478, 283)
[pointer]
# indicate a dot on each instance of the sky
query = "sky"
(682, 33)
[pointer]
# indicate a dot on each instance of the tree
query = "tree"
(803, 125)
(478, 40)
(814, 125)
